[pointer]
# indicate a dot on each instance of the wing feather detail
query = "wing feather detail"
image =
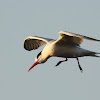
(35, 42)
(76, 39)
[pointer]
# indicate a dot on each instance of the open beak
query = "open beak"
(33, 66)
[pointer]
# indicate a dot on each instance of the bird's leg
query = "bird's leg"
(79, 65)
(61, 62)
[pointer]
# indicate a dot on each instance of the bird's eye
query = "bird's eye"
(39, 54)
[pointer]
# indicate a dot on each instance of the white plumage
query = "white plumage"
(67, 46)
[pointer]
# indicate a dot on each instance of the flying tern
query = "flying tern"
(66, 46)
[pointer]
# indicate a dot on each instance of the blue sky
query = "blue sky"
(22, 18)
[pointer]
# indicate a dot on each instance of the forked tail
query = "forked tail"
(95, 54)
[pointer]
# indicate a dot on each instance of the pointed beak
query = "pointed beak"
(33, 66)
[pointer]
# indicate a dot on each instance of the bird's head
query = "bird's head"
(38, 60)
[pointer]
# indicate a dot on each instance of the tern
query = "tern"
(66, 46)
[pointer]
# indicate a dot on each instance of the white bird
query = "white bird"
(66, 46)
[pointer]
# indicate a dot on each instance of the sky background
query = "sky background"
(22, 18)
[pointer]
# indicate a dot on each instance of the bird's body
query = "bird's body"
(65, 51)
(67, 46)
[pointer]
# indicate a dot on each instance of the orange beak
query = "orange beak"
(33, 66)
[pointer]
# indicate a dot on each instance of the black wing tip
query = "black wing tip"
(26, 46)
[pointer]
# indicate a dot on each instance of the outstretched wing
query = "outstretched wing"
(68, 37)
(35, 42)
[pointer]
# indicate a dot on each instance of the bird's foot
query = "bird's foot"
(58, 63)
(79, 65)
(61, 62)
(80, 68)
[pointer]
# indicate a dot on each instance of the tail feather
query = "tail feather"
(95, 54)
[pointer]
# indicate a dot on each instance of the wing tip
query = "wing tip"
(26, 46)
